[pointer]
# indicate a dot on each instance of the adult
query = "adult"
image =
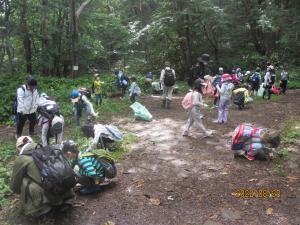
(27, 100)
(81, 102)
(26, 181)
(121, 82)
(254, 81)
(283, 80)
(149, 78)
(167, 80)
(51, 120)
(269, 80)
(199, 69)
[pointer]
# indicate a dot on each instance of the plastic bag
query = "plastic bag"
(261, 90)
(275, 89)
(140, 112)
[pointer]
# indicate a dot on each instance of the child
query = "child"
(92, 170)
(195, 115)
(284, 80)
(97, 89)
(225, 96)
(134, 90)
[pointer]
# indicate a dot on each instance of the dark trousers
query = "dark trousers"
(98, 99)
(268, 91)
(283, 85)
(21, 119)
(132, 98)
(123, 89)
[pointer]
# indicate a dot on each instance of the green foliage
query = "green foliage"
(7, 151)
(291, 130)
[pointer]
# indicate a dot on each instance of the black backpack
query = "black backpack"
(57, 175)
(48, 110)
(14, 105)
(239, 99)
(169, 79)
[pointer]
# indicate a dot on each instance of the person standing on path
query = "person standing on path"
(283, 80)
(269, 80)
(195, 115)
(27, 103)
(97, 89)
(225, 96)
(167, 80)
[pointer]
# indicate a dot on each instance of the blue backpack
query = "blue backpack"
(255, 77)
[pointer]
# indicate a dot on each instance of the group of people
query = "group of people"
(45, 174)
(29, 178)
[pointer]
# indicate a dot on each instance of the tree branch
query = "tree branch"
(81, 8)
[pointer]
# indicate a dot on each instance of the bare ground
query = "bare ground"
(170, 179)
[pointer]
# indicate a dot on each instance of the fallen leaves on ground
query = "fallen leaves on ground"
(155, 201)
(254, 179)
(109, 223)
(269, 211)
(292, 179)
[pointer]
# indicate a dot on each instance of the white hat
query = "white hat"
(22, 141)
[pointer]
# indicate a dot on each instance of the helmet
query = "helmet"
(271, 67)
(96, 75)
(233, 71)
(69, 146)
(257, 69)
(44, 95)
(74, 94)
(248, 72)
(21, 141)
(226, 77)
(221, 69)
(238, 69)
(31, 81)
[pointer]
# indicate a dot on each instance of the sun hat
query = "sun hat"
(226, 77)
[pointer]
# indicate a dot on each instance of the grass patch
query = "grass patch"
(281, 158)
(7, 152)
(291, 130)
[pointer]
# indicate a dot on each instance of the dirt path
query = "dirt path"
(170, 179)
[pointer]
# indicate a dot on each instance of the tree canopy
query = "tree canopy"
(51, 37)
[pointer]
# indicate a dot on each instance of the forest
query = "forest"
(165, 171)
(51, 37)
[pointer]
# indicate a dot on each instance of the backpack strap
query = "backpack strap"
(250, 136)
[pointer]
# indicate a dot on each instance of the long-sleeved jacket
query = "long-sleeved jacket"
(26, 181)
(27, 100)
(162, 75)
(225, 90)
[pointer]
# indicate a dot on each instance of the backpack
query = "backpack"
(48, 110)
(239, 99)
(169, 79)
(187, 102)
(57, 175)
(110, 170)
(14, 106)
(255, 77)
(86, 92)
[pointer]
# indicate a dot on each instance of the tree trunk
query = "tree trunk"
(74, 17)
(74, 39)
(25, 36)
(45, 38)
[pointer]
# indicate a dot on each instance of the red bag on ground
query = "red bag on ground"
(275, 89)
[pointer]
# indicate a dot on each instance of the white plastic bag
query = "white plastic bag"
(261, 90)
